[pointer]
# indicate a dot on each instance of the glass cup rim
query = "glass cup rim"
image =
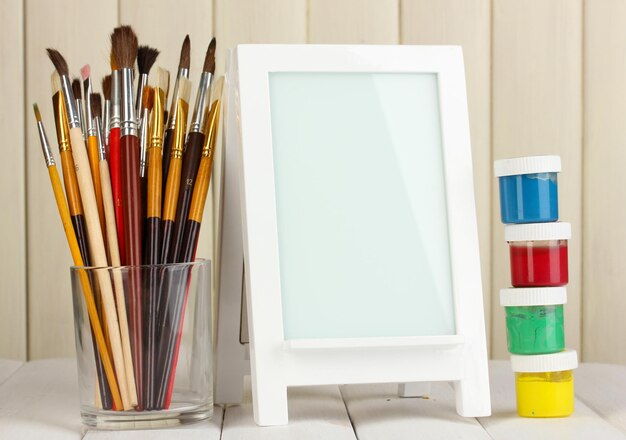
(197, 262)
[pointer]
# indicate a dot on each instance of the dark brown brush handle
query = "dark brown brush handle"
(168, 140)
(131, 198)
(191, 161)
(152, 231)
(173, 317)
(106, 399)
(167, 234)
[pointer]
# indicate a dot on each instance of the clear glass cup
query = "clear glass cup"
(157, 341)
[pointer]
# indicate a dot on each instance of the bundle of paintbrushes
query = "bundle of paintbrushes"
(136, 183)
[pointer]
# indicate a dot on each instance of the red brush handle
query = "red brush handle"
(115, 166)
(131, 203)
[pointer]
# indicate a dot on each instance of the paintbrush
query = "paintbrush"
(193, 150)
(111, 234)
(106, 116)
(92, 143)
(152, 229)
(172, 186)
(146, 57)
(124, 48)
(115, 158)
(183, 72)
(79, 105)
(96, 328)
(76, 213)
(171, 334)
(94, 234)
(146, 107)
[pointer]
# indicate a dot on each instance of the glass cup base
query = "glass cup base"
(126, 420)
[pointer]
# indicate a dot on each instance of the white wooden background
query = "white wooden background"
(543, 76)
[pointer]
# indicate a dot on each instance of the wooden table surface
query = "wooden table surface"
(39, 400)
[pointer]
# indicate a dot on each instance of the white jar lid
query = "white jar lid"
(527, 165)
(538, 231)
(533, 296)
(543, 363)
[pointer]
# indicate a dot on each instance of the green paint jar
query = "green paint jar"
(534, 319)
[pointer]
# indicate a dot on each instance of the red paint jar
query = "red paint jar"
(538, 254)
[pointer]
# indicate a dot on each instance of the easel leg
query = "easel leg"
(414, 389)
(269, 401)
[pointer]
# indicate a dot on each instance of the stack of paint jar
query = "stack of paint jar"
(539, 271)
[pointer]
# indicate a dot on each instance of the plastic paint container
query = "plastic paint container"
(534, 319)
(528, 189)
(544, 384)
(538, 253)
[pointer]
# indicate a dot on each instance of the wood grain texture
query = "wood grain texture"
(377, 412)
(245, 21)
(13, 314)
(583, 424)
(40, 400)
(468, 24)
(604, 210)
(536, 110)
(601, 387)
(314, 413)
(354, 22)
(60, 24)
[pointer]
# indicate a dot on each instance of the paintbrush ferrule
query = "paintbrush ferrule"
(202, 103)
(105, 121)
(142, 82)
(70, 102)
(81, 116)
(171, 122)
(156, 132)
(45, 145)
(143, 144)
(91, 129)
(60, 120)
(102, 154)
(115, 100)
(129, 122)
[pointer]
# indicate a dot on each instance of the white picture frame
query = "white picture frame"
(276, 363)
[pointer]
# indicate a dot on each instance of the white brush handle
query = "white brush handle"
(98, 256)
(114, 253)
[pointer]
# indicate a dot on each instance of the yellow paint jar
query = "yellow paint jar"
(544, 384)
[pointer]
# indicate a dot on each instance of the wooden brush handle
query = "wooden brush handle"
(131, 203)
(170, 201)
(98, 254)
(115, 167)
(71, 185)
(191, 161)
(168, 141)
(94, 319)
(92, 152)
(109, 214)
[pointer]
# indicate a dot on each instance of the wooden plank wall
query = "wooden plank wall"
(543, 76)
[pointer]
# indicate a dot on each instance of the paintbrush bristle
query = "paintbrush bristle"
(96, 105)
(163, 79)
(37, 114)
(124, 46)
(147, 98)
(55, 82)
(85, 71)
(184, 89)
(106, 87)
(146, 56)
(185, 54)
(76, 88)
(59, 62)
(112, 61)
(209, 59)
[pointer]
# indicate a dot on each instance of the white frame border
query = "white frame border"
(275, 363)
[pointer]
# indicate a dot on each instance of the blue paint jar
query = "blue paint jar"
(528, 189)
